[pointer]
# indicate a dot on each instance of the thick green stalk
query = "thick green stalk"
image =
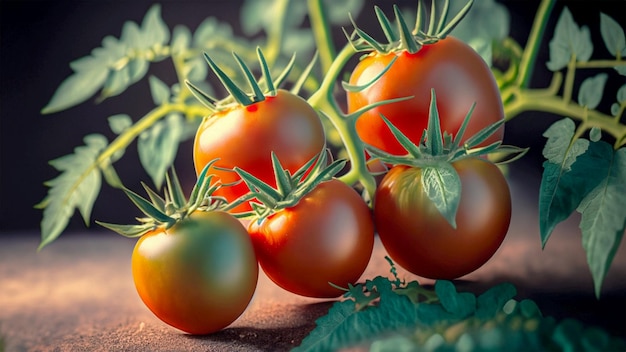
(529, 56)
(322, 33)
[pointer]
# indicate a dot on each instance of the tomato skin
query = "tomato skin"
(418, 238)
(246, 136)
(327, 237)
(198, 276)
(459, 77)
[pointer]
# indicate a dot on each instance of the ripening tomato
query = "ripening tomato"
(198, 276)
(245, 136)
(418, 238)
(459, 76)
(327, 237)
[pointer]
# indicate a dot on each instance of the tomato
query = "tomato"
(459, 76)
(198, 276)
(418, 238)
(245, 136)
(327, 237)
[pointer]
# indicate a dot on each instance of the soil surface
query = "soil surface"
(77, 294)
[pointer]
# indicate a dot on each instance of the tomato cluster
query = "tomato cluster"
(310, 232)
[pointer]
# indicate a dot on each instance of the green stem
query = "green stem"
(322, 33)
(601, 64)
(529, 56)
(568, 86)
(528, 100)
(324, 101)
(276, 32)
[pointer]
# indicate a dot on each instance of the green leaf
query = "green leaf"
(181, 39)
(175, 190)
(434, 139)
(612, 34)
(604, 215)
(566, 178)
(621, 69)
(148, 208)
(154, 29)
(76, 188)
(595, 134)
(77, 88)
(157, 147)
(119, 123)
(127, 230)
(568, 40)
(591, 91)
(442, 185)
(461, 305)
(160, 91)
(490, 302)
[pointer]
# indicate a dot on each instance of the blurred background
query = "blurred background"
(38, 40)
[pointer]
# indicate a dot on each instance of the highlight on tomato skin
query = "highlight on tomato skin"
(200, 275)
(245, 136)
(326, 238)
(452, 68)
(419, 239)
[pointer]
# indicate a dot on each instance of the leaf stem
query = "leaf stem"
(601, 64)
(568, 86)
(529, 56)
(276, 32)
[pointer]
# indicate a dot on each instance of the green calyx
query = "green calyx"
(436, 147)
(166, 211)
(436, 152)
(237, 94)
(402, 38)
(290, 189)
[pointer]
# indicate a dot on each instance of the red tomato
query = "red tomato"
(459, 76)
(327, 237)
(418, 238)
(245, 136)
(199, 275)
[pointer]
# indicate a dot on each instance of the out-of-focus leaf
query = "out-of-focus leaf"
(181, 39)
(160, 91)
(591, 91)
(569, 39)
(153, 28)
(120, 122)
(157, 147)
(604, 214)
(78, 87)
(612, 34)
(76, 187)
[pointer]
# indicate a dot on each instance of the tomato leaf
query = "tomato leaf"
(159, 90)
(127, 230)
(491, 301)
(461, 305)
(76, 188)
(569, 40)
(590, 92)
(604, 214)
(157, 147)
(434, 139)
(77, 88)
(563, 186)
(119, 123)
(442, 185)
(613, 35)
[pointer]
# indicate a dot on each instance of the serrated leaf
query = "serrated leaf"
(566, 179)
(181, 39)
(442, 185)
(591, 91)
(159, 90)
(157, 147)
(569, 39)
(604, 215)
(612, 34)
(77, 88)
(119, 123)
(76, 188)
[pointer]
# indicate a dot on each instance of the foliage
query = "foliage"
(120, 62)
(392, 315)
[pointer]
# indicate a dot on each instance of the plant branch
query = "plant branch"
(322, 33)
(527, 62)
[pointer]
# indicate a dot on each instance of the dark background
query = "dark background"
(38, 39)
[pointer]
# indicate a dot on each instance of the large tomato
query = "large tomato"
(459, 76)
(419, 238)
(198, 276)
(327, 237)
(245, 136)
